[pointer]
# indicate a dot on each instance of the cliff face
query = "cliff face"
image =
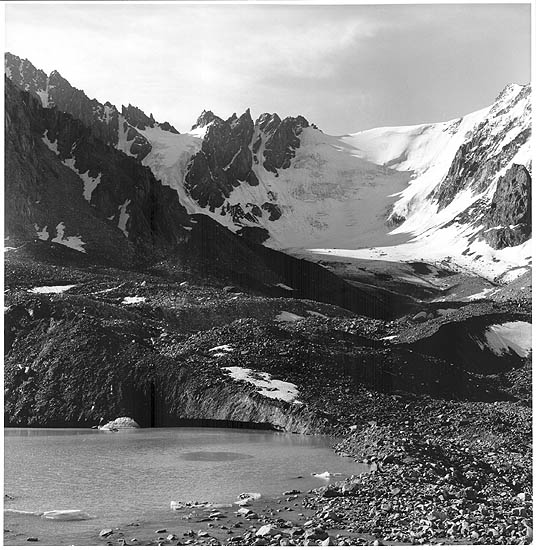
(509, 220)
(65, 185)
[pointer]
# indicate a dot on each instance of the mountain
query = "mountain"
(470, 193)
(72, 197)
(105, 121)
(387, 192)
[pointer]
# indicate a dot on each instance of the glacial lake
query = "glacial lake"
(130, 475)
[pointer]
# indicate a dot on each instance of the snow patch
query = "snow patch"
(43, 96)
(288, 317)
(283, 286)
(50, 289)
(52, 145)
(480, 295)
(269, 387)
(76, 243)
(123, 217)
(515, 336)
(90, 184)
(224, 347)
(133, 300)
(42, 234)
(122, 143)
(317, 314)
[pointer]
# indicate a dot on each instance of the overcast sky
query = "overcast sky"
(346, 68)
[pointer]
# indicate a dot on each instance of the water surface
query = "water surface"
(121, 476)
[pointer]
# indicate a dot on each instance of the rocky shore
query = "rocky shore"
(447, 473)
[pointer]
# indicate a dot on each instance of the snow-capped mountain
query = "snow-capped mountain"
(469, 198)
(457, 190)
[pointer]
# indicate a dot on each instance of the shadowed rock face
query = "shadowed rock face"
(283, 140)
(48, 156)
(509, 216)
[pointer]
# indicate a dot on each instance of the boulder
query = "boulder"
(122, 423)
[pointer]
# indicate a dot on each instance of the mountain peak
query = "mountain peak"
(204, 119)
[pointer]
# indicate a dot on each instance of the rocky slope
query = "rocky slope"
(88, 343)
(65, 186)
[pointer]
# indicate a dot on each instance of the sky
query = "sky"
(344, 67)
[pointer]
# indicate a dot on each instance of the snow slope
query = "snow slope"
(450, 234)
(372, 194)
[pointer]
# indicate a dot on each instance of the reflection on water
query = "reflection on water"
(117, 474)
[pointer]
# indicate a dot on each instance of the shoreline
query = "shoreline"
(442, 476)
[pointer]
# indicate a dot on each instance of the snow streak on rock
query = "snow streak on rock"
(269, 387)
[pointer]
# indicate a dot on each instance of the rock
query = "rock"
(106, 532)
(420, 317)
(32, 539)
(171, 537)
(327, 542)
(246, 498)
(231, 289)
(292, 492)
(268, 531)
(124, 422)
(202, 534)
(161, 531)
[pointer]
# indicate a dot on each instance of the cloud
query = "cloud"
(344, 66)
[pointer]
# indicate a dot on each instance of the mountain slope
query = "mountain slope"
(72, 198)
(470, 197)
(456, 191)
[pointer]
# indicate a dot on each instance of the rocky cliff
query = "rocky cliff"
(65, 186)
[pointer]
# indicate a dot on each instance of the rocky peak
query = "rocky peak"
(24, 75)
(268, 123)
(137, 118)
(224, 162)
(204, 119)
(280, 147)
(491, 147)
(101, 119)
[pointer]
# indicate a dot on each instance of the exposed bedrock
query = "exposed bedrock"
(508, 220)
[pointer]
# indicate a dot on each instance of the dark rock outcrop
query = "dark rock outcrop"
(508, 219)
(282, 142)
(48, 156)
(224, 162)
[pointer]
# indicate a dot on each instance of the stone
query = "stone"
(267, 530)
(161, 531)
(32, 539)
(106, 532)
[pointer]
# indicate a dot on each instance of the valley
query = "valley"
(373, 287)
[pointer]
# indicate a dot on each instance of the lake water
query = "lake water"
(118, 476)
